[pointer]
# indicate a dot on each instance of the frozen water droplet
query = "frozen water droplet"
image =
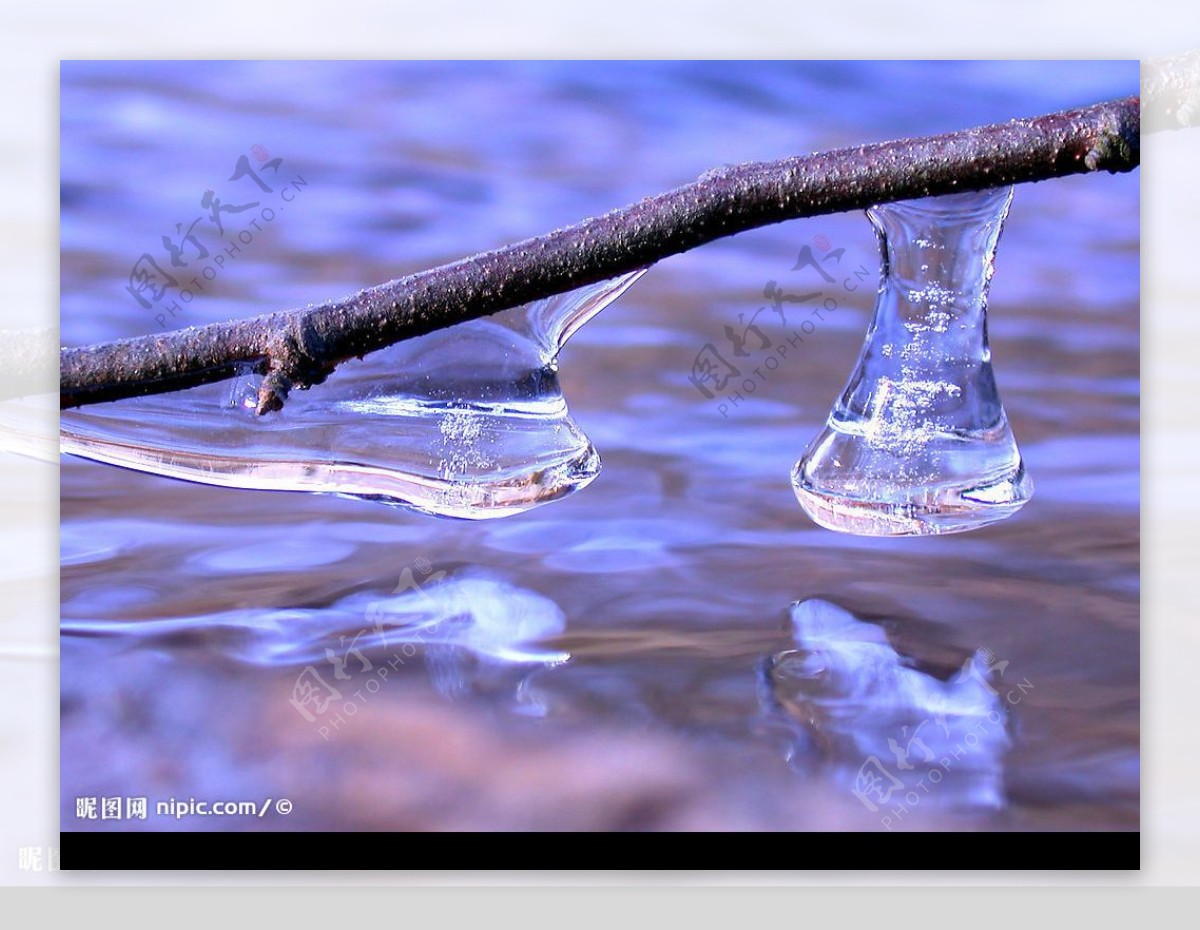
(243, 389)
(465, 422)
(920, 444)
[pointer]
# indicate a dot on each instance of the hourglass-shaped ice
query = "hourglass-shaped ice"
(919, 443)
(463, 422)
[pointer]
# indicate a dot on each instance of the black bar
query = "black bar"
(1058, 852)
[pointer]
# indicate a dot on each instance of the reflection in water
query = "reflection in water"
(465, 422)
(468, 627)
(886, 729)
(671, 568)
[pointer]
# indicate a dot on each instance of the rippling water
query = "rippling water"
(675, 646)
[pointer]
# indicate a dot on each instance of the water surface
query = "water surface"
(628, 657)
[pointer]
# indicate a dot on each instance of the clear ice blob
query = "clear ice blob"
(465, 422)
(919, 443)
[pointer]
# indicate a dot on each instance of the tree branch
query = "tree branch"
(299, 348)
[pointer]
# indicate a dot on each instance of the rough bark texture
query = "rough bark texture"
(299, 348)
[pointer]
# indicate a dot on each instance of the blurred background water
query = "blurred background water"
(629, 657)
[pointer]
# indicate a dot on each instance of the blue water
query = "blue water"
(192, 614)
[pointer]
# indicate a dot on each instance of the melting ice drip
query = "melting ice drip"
(919, 443)
(857, 705)
(463, 422)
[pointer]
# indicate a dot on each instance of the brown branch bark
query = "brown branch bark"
(299, 348)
